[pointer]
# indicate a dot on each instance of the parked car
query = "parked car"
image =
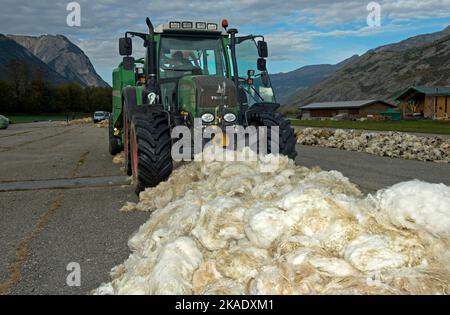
(4, 122)
(100, 116)
(340, 117)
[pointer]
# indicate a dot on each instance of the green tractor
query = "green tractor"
(191, 71)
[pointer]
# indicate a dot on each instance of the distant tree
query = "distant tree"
(42, 100)
(26, 91)
(20, 75)
(7, 100)
(101, 99)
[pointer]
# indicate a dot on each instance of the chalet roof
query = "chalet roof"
(421, 89)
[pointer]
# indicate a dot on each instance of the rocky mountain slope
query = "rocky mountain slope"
(64, 57)
(11, 52)
(290, 83)
(382, 72)
(416, 41)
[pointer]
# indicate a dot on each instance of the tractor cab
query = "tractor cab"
(194, 73)
(190, 70)
(185, 61)
(186, 50)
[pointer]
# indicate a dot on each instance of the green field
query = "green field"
(419, 126)
(20, 119)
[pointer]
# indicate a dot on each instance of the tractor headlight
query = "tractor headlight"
(230, 117)
(208, 118)
(187, 25)
(212, 27)
(175, 25)
(200, 25)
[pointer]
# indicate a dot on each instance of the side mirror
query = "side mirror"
(262, 64)
(125, 46)
(128, 63)
(263, 50)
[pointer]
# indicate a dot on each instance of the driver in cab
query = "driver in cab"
(185, 61)
(180, 60)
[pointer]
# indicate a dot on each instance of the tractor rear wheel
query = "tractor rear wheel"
(114, 147)
(126, 144)
(150, 149)
(286, 140)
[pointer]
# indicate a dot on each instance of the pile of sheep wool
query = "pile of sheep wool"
(391, 144)
(102, 124)
(229, 228)
(119, 158)
(74, 122)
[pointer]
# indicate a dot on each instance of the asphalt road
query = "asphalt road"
(59, 199)
(60, 195)
(371, 172)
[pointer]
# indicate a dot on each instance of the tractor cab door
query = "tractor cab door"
(254, 79)
(188, 56)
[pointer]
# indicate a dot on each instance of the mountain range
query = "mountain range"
(11, 52)
(378, 74)
(54, 56)
(286, 85)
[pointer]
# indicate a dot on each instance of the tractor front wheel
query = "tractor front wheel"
(286, 140)
(150, 149)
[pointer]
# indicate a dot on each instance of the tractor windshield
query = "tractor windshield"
(257, 86)
(182, 56)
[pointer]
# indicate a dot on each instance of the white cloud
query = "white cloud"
(103, 21)
(332, 13)
(288, 45)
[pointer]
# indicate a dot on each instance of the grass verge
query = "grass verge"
(23, 118)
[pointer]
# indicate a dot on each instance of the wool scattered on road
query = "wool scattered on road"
(74, 122)
(102, 124)
(229, 228)
(119, 158)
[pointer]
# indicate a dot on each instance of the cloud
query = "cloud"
(107, 16)
(288, 45)
(291, 26)
(332, 13)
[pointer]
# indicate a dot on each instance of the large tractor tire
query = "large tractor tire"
(286, 140)
(150, 149)
(114, 147)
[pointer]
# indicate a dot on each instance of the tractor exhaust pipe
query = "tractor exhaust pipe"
(150, 26)
(233, 33)
(152, 78)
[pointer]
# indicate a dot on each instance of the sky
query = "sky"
(299, 32)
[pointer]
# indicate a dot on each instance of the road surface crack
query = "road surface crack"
(15, 268)
(80, 163)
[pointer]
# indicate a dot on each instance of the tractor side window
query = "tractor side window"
(210, 64)
(247, 56)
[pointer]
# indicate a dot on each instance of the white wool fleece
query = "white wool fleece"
(417, 205)
(233, 228)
